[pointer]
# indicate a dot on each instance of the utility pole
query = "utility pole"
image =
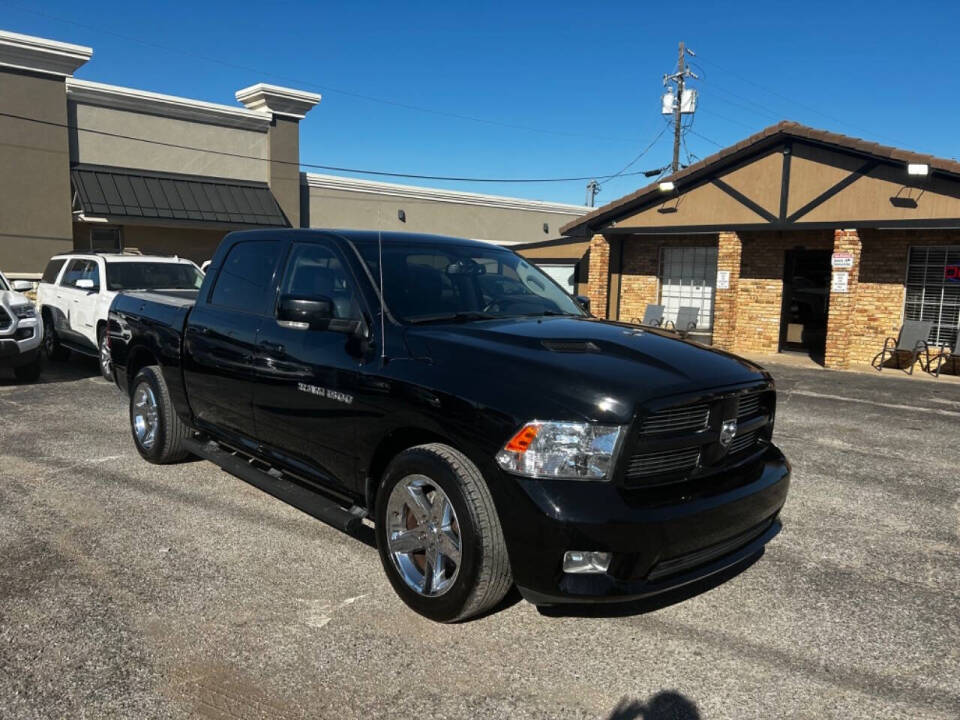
(680, 78)
(593, 187)
(681, 67)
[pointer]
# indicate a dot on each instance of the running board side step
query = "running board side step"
(273, 482)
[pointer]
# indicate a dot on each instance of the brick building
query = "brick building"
(793, 239)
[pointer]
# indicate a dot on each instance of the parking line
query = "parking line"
(894, 406)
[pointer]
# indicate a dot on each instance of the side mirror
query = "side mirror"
(314, 313)
(305, 313)
(86, 284)
(22, 286)
(583, 301)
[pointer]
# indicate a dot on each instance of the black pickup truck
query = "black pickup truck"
(452, 394)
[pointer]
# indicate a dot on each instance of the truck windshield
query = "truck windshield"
(433, 282)
(153, 276)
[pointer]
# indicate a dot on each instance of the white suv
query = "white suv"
(77, 288)
(20, 330)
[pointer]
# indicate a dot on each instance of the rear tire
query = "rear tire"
(158, 432)
(103, 355)
(30, 372)
(51, 343)
(433, 496)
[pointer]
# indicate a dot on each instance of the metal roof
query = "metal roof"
(125, 193)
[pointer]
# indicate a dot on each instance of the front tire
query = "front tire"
(158, 432)
(51, 343)
(439, 536)
(103, 355)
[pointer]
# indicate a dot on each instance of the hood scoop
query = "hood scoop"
(570, 346)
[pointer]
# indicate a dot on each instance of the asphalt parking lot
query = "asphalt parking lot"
(135, 591)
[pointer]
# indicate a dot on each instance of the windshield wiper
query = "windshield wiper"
(552, 313)
(455, 316)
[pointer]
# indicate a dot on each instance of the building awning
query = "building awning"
(121, 193)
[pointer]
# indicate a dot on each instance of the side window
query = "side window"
(244, 279)
(81, 270)
(315, 270)
(51, 271)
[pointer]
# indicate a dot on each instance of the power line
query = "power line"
(358, 171)
(305, 83)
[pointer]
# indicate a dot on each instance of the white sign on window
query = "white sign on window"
(723, 279)
(842, 260)
(840, 282)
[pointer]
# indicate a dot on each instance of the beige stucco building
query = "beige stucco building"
(94, 166)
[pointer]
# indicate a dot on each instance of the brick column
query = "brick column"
(729, 249)
(841, 320)
(598, 277)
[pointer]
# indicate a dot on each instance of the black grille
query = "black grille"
(683, 442)
(744, 442)
(663, 463)
(5, 319)
(689, 417)
(748, 406)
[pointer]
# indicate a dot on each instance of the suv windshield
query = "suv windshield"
(153, 276)
(424, 282)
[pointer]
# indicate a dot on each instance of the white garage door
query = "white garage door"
(565, 275)
(688, 277)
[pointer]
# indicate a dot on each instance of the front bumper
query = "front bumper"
(17, 347)
(661, 538)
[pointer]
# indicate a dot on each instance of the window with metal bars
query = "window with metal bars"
(688, 277)
(933, 290)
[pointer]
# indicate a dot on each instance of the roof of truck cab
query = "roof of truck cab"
(367, 236)
(122, 257)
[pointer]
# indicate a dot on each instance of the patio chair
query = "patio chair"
(911, 341)
(947, 355)
(652, 316)
(686, 320)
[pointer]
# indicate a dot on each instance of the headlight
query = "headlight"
(563, 450)
(24, 311)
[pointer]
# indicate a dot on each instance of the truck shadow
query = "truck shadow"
(71, 370)
(651, 604)
(665, 705)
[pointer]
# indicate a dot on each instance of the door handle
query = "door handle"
(270, 347)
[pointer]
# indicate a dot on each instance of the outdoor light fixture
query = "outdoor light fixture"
(401, 216)
(918, 169)
(546, 227)
(667, 186)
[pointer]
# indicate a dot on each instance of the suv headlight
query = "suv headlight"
(562, 450)
(24, 311)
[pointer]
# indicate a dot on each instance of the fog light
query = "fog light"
(579, 561)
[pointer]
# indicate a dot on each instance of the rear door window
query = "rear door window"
(246, 276)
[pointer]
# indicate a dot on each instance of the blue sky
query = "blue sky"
(563, 89)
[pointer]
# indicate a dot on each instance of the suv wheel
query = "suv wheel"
(51, 343)
(439, 535)
(103, 353)
(158, 432)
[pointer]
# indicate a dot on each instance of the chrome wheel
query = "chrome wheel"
(423, 535)
(145, 416)
(106, 363)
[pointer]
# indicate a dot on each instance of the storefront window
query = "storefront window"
(933, 290)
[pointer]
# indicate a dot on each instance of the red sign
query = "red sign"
(952, 273)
